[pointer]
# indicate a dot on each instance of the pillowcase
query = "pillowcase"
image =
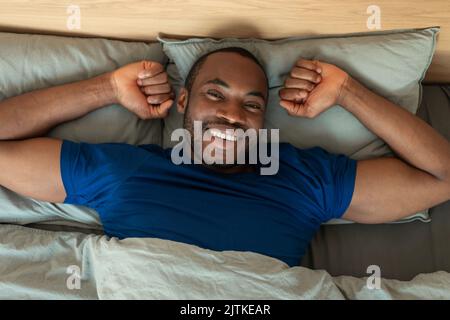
(391, 63)
(29, 62)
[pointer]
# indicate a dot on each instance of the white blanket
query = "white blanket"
(43, 265)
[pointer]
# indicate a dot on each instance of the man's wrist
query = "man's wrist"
(107, 88)
(90, 94)
(348, 92)
(344, 92)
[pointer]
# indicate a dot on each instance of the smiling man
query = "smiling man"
(139, 192)
(229, 111)
(207, 96)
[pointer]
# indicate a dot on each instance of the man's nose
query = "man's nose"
(232, 112)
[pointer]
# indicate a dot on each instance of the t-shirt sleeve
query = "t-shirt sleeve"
(332, 180)
(91, 172)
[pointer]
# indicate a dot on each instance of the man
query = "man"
(139, 192)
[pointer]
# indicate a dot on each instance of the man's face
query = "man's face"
(229, 92)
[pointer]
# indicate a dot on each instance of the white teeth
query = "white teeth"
(217, 133)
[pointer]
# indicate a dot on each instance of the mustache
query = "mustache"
(234, 126)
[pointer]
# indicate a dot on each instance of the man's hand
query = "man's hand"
(143, 88)
(311, 88)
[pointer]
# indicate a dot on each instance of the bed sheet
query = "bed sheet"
(39, 264)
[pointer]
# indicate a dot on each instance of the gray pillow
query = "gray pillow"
(29, 62)
(391, 63)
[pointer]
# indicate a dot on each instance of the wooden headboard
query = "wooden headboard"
(268, 19)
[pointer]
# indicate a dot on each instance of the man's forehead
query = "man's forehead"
(233, 69)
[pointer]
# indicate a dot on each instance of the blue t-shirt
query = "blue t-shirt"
(139, 192)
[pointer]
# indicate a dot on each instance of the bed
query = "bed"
(40, 259)
(76, 261)
(341, 251)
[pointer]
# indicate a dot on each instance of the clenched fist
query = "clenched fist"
(143, 88)
(311, 88)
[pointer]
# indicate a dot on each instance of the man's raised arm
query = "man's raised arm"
(141, 87)
(32, 167)
(389, 188)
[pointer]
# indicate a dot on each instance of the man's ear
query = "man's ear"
(182, 100)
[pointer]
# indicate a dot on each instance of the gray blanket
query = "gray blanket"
(40, 264)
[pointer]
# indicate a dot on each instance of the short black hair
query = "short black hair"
(198, 64)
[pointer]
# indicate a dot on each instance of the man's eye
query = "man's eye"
(214, 94)
(253, 106)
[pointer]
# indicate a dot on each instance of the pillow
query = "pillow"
(29, 62)
(391, 63)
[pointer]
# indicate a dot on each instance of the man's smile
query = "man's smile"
(224, 135)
